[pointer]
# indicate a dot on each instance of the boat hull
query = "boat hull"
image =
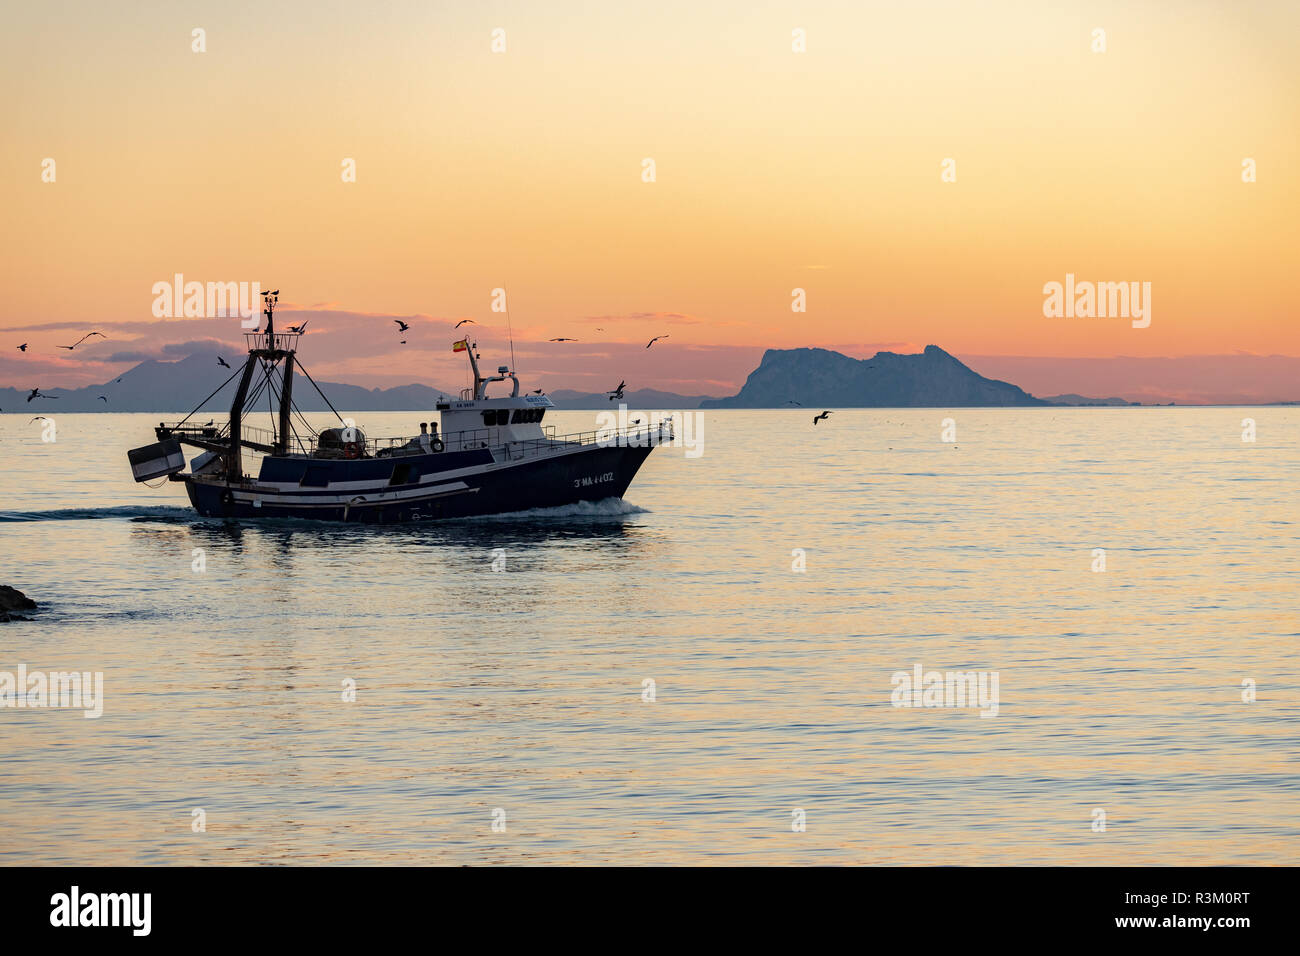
(588, 473)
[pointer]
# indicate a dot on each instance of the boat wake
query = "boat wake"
(605, 508)
(130, 512)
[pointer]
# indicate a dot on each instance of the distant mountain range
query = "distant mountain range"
(784, 378)
(1073, 399)
(155, 386)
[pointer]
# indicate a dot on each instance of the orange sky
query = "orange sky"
(523, 169)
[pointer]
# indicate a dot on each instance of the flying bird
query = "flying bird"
(654, 340)
(80, 340)
(618, 392)
(463, 321)
(600, 330)
(821, 416)
(39, 418)
(36, 393)
(791, 401)
(220, 361)
(102, 398)
(23, 347)
(563, 340)
(403, 341)
(401, 326)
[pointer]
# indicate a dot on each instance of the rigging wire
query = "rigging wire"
(209, 398)
(295, 410)
(321, 394)
(270, 406)
(251, 401)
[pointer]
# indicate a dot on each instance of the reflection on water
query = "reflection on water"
(521, 688)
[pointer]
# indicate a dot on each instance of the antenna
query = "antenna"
(510, 335)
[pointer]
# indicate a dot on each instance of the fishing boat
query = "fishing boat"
(483, 455)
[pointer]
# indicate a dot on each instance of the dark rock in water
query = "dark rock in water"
(12, 601)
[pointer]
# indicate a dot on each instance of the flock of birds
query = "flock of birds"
(615, 394)
(404, 327)
(36, 392)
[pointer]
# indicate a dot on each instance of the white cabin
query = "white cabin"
(492, 421)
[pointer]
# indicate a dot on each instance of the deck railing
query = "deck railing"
(524, 448)
(362, 447)
(281, 341)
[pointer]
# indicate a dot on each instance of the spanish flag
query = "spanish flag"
(461, 346)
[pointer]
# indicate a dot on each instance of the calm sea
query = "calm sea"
(518, 696)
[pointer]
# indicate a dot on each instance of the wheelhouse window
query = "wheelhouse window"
(520, 416)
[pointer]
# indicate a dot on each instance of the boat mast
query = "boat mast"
(473, 364)
(263, 345)
(481, 382)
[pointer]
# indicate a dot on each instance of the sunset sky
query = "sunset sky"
(775, 170)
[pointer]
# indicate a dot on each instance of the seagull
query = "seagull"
(821, 416)
(23, 347)
(36, 393)
(210, 421)
(600, 330)
(297, 329)
(654, 340)
(537, 391)
(403, 341)
(563, 340)
(618, 392)
(80, 340)
(220, 361)
(463, 321)
(401, 326)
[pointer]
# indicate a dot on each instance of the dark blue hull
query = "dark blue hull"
(592, 473)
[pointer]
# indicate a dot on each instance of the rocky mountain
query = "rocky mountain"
(932, 378)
